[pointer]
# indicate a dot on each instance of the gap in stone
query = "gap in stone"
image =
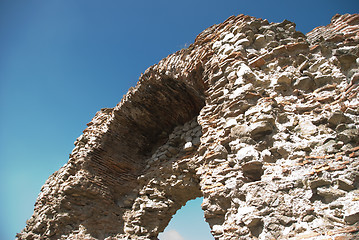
(188, 223)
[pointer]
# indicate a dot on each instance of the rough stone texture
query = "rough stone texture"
(341, 28)
(257, 118)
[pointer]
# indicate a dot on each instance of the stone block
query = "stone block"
(330, 194)
(319, 183)
(304, 83)
(351, 215)
(259, 129)
(345, 184)
(285, 78)
(349, 135)
(306, 128)
(253, 170)
(260, 41)
(323, 80)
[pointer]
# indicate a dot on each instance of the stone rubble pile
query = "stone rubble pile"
(257, 118)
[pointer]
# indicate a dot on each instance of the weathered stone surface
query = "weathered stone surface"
(337, 117)
(304, 83)
(342, 27)
(285, 78)
(352, 214)
(258, 119)
(319, 182)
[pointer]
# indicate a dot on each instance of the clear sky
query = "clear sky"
(63, 60)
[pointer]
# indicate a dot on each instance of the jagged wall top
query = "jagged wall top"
(341, 27)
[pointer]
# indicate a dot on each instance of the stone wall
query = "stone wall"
(257, 118)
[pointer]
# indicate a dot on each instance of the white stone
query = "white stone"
(244, 42)
(217, 229)
(188, 146)
(228, 37)
(239, 81)
(216, 45)
(306, 128)
(266, 155)
(236, 38)
(231, 183)
(244, 73)
(226, 49)
(240, 91)
(242, 211)
(244, 69)
(247, 154)
(230, 123)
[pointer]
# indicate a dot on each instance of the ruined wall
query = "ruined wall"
(259, 119)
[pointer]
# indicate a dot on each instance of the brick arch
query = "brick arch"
(97, 193)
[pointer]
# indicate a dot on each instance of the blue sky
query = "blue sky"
(61, 61)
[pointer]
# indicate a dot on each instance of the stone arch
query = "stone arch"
(152, 112)
(99, 193)
(130, 170)
(168, 184)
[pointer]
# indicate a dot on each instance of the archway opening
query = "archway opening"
(188, 224)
